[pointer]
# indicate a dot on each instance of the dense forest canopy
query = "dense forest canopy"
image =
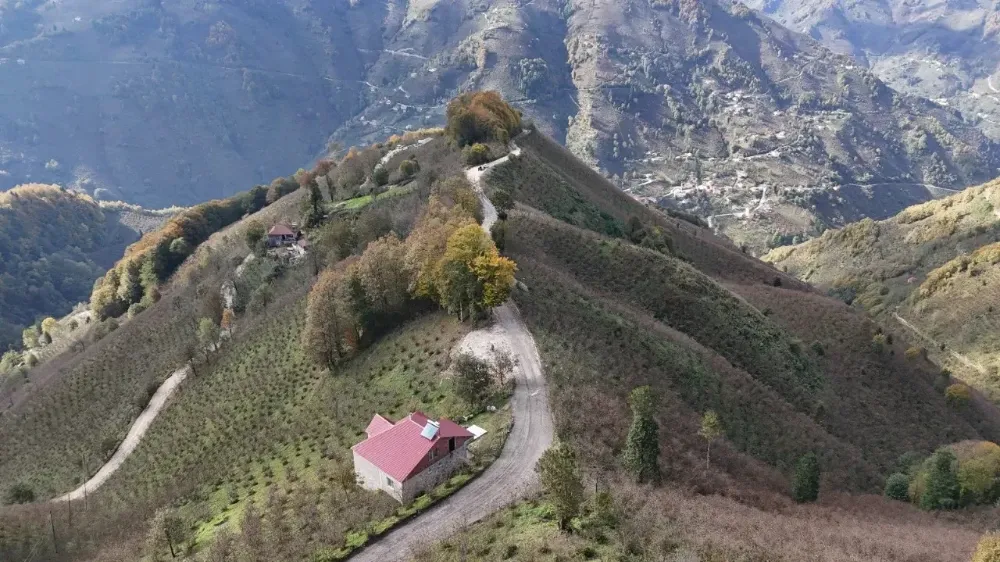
(47, 236)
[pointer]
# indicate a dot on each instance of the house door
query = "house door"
(451, 444)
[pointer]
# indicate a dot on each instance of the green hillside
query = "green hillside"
(53, 244)
(932, 267)
(250, 459)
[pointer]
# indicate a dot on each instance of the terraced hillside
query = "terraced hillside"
(616, 295)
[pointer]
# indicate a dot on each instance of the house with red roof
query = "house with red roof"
(280, 235)
(410, 456)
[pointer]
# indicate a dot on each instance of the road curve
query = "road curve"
(512, 475)
(132, 439)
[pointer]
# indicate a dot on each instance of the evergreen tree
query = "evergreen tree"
(897, 487)
(642, 446)
(561, 481)
(942, 483)
(805, 487)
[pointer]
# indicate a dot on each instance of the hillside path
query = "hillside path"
(511, 476)
(134, 436)
(956, 355)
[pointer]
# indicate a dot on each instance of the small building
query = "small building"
(410, 456)
(280, 235)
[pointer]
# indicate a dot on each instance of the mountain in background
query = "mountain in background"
(704, 108)
(931, 270)
(615, 295)
(944, 50)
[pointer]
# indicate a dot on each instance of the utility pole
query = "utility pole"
(52, 525)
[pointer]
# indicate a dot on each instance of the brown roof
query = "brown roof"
(280, 230)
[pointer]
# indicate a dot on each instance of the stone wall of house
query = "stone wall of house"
(372, 478)
(434, 474)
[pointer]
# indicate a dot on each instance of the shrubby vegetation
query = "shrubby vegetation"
(959, 475)
(150, 261)
(476, 117)
(447, 259)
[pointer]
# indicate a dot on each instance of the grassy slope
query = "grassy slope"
(609, 316)
(83, 403)
(260, 424)
(934, 264)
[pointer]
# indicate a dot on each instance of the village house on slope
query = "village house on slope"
(410, 456)
(280, 235)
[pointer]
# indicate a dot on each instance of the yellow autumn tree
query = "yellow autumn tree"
(471, 275)
(428, 242)
(496, 273)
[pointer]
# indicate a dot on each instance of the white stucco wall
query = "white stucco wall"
(372, 478)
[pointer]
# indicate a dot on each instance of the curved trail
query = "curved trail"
(512, 475)
(134, 436)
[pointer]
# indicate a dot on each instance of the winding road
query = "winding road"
(511, 476)
(134, 436)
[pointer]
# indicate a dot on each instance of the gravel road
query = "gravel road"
(511, 476)
(132, 439)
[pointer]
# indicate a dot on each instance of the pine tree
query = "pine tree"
(942, 483)
(805, 487)
(642, 446)
(561, 481)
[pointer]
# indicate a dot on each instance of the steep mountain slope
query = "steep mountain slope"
(932, 266)
(615, 294)
(714, 109)
(53, 245)
(945, 50)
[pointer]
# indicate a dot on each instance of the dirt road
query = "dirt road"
(512, 475)
(132, 439)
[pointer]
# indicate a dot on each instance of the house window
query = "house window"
(434, 453)
(389, 482)
(451, 444)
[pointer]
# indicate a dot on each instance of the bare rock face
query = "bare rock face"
(710, 108)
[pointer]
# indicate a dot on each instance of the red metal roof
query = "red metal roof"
(280, 230)
(378, 425)
(398, 450)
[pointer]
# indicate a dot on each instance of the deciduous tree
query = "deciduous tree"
(254, 234)
(208, 333)
(382, 271)
(988, 548)
(473, 381)
(711, 429)
(323, 336)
